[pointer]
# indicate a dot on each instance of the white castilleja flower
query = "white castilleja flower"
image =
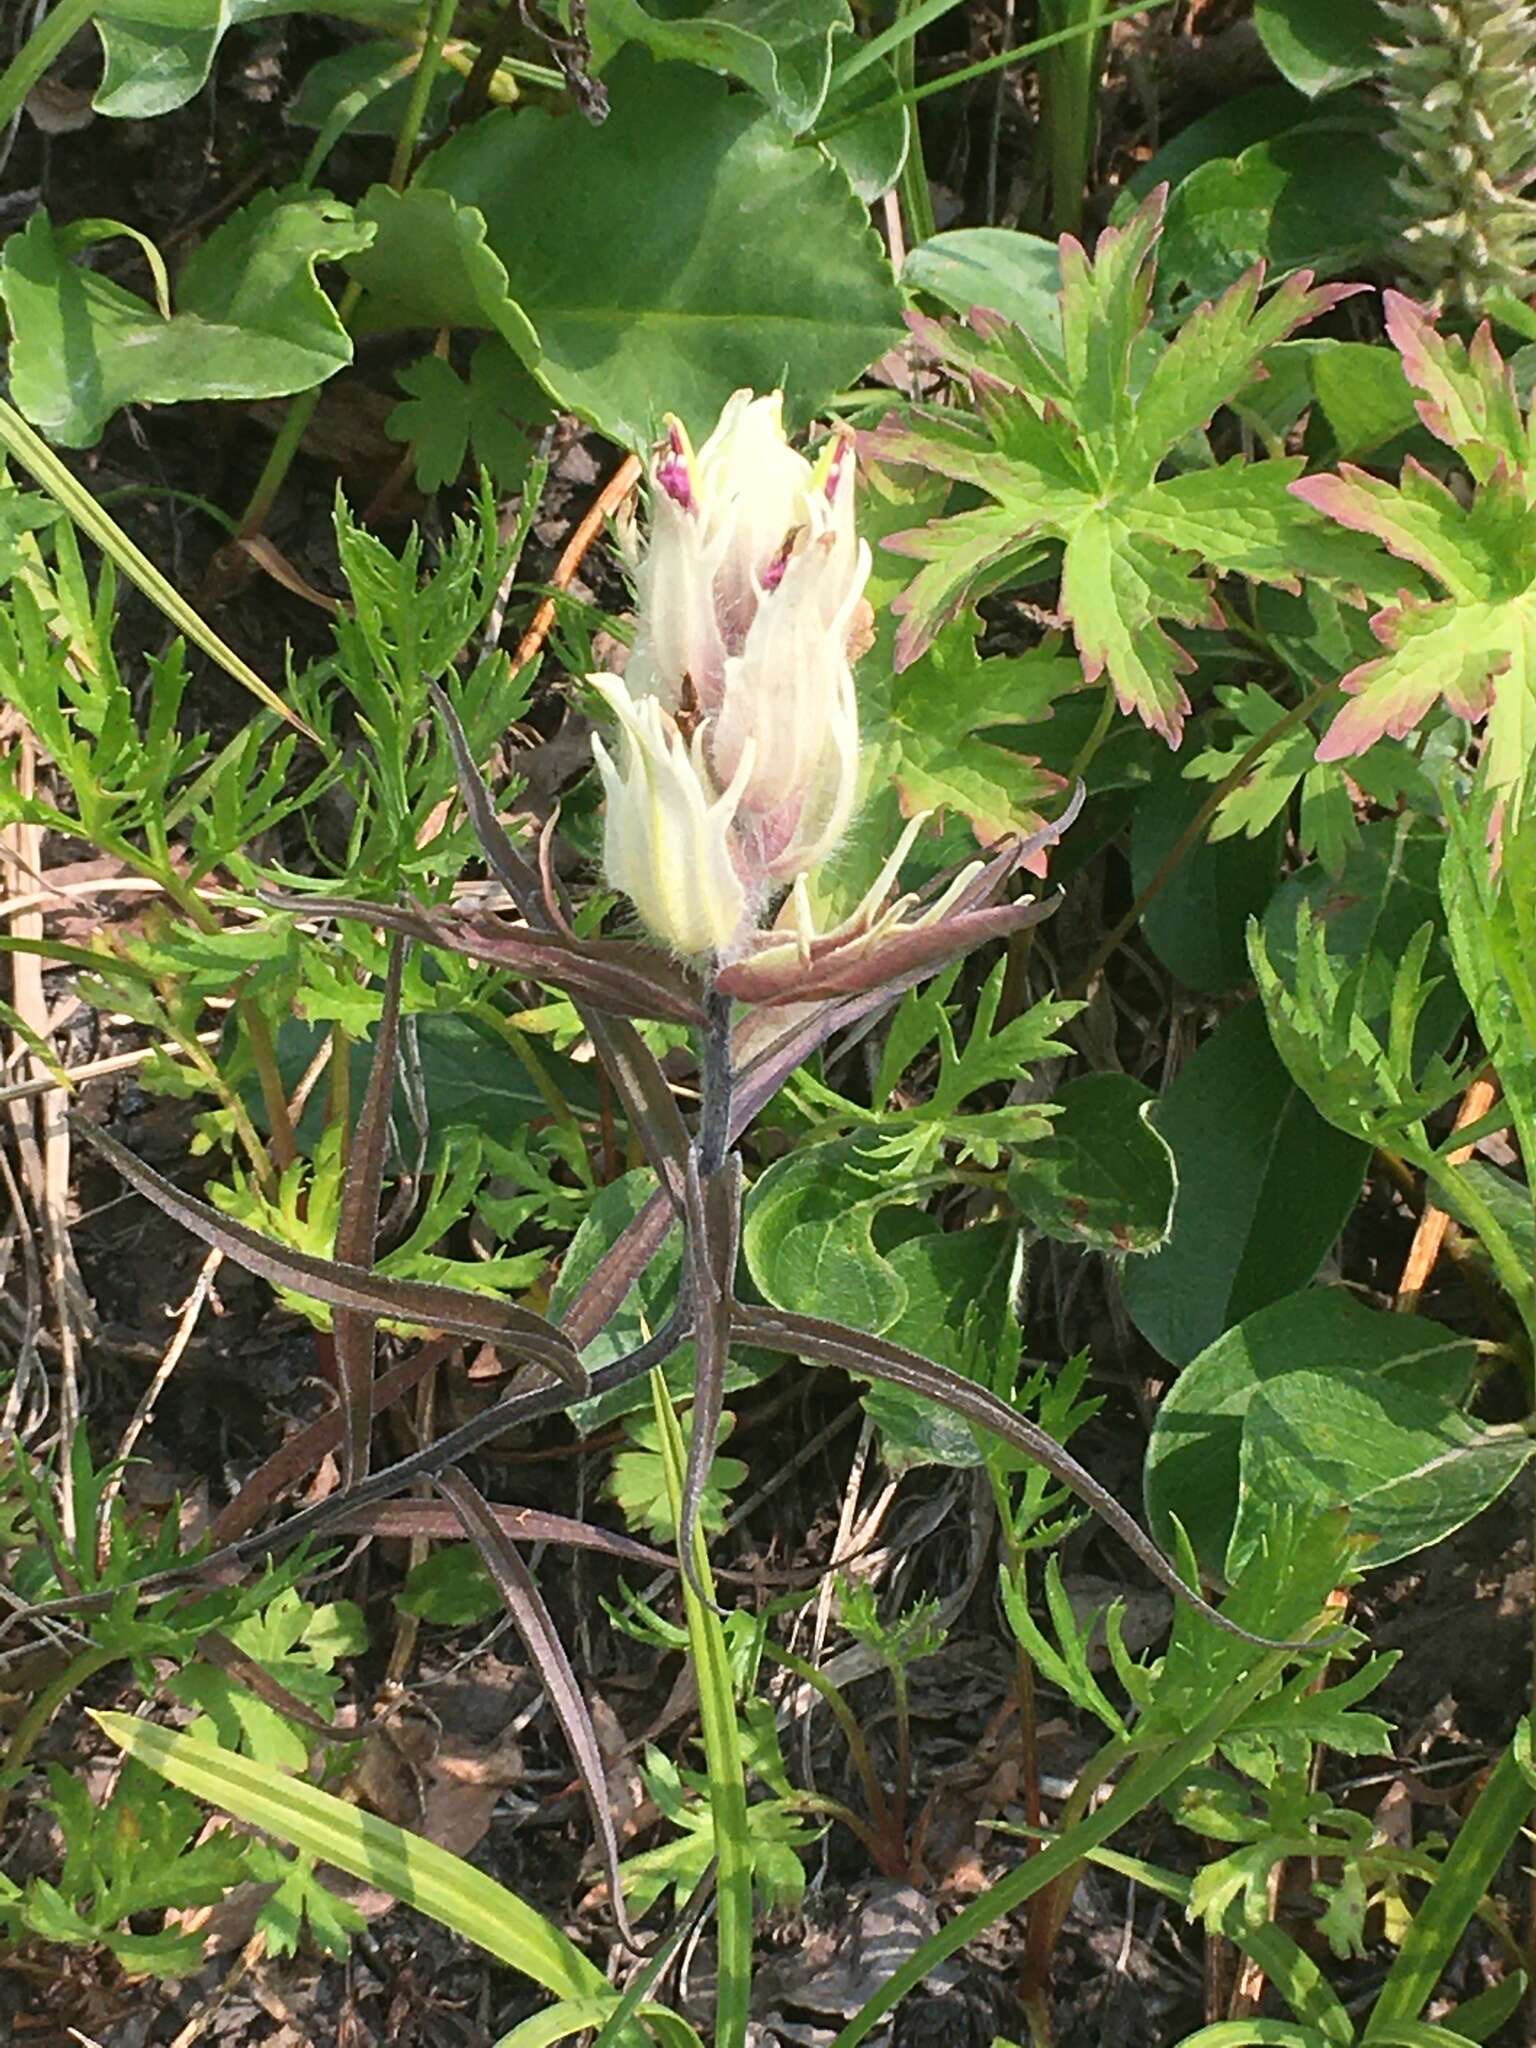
(667, 836)
(751, 610)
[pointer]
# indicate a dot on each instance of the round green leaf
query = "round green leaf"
(1102, 1176)
(808, 1244)
(1193, 1456)
(1264, 1188)
(1409, 1467)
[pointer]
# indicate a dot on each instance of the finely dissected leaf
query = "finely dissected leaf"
(1264, 1188)
(343, 1286)
(1369, 911)
(1192, 1457)
(1410, 1468)
(251, 319)
(1069, 450)
(635, 270)
(1474, 647)
(1102, 1175)
(1492, 932)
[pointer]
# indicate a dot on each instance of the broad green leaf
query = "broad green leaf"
(1103, 1175)
(683, 249)
(1410, 1468)
(1317, 197)
(959, 1312)
(465, 285)
(367, 86)
(1071, 433)
(781, 48)
(450, 1586)
(1009, 272)
(1197, 921)
(1321, 45)
(1192, 1457)
(1229, 128)
(159, 52)
(807, 1238)
(1264, 1188)
(411, 1869)
(1492, 927)
(251, 319)
(870, 149)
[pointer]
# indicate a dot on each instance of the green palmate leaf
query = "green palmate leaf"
(781, 48)
(444, 416)
(1326, 824)
(1264, 1188)
(1409, 1467)
(1192, 1458)
(251, 320)
(1103, 1175)
(159, 52)
(1472, 648)
(1068, 450)
(634, 271)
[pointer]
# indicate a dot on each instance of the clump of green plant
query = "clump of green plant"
(1458, 83)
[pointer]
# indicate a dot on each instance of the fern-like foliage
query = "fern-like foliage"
(1459, 84)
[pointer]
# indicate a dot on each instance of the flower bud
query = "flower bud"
(667, 839)
(751, 593)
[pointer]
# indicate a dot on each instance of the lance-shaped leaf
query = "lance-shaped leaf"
(1472, 647)
(883, 942)
(616, 975)
(357, 1227)
(430, 1518)
(421, 1302)
(1068, 445)
(824, 1343)
(541, 1639)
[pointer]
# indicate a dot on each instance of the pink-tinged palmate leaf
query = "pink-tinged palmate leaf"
(1471, 644)
(1069, 447)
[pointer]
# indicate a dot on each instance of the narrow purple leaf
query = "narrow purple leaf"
(413, 1518)
(823, 1343)
(542, 1641)
(421, 1302)
(357, 1227)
